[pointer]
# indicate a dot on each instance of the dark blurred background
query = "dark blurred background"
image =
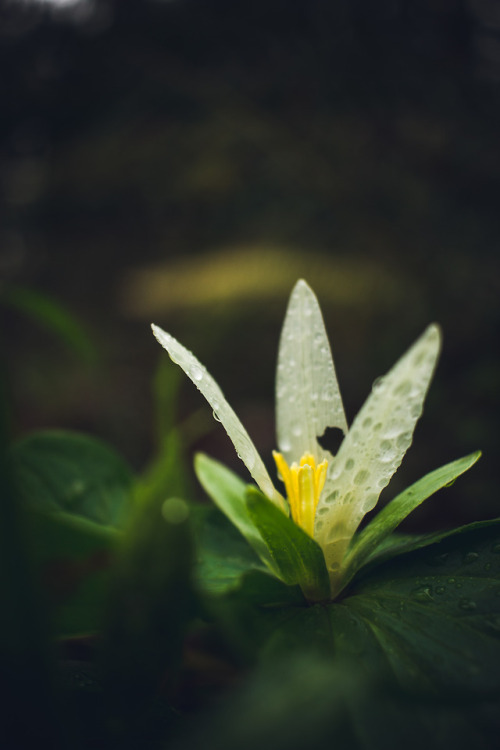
(186, 161)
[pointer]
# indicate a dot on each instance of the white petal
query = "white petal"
(222, 411)
(374, 446)
(307, 393)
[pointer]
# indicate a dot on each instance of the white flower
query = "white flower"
(327, 495)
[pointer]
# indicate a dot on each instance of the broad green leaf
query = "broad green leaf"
(366, 542)
(435, 612)
(422, 633)
(224, 557)
(229, 494)
(297, 557)
(74, 557)
(58, 471)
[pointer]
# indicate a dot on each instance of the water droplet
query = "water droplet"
(216, 416)
(496, 548)
(361, 476)
(387, 452)
(467, 605)
(349, 464)
(470, 557)
(403, 388)
(451, 580)
(285, 445)
(296, 430)
(493, 623)
(377, 426)
(440, 590)
(378, 385)
(367, 422)
(487, 566)
(196, 373)
(249, 460)
(369, 502)
(423, 594)
(439, 560)
(418, 359)
(404, 440)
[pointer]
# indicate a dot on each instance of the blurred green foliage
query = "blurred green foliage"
(135, 616)
(185, 159)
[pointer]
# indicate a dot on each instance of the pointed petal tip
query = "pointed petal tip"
(160, 335)
(434, 336)
(301, 286)
(434, 331)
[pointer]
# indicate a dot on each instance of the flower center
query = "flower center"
(304, 483)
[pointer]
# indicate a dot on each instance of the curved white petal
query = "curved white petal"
(307, 393)
(374, 446)
(222, 411)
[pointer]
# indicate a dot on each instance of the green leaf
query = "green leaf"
(74, 557)
(435, 613)
(421, 633)
(400, 544)
(58, 471)
(224, 557)
(297, 557)
(229, 494)
(366, 542)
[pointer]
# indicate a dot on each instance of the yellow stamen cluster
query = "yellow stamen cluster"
(304, 483)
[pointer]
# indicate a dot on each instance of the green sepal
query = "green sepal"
(297, 557)
(228, 492)
(365, 543)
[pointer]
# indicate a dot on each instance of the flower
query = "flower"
(326, 495)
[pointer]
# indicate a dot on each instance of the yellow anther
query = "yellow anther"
(304, 483)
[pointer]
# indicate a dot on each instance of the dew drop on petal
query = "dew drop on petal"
(196, 373)
(361, 476)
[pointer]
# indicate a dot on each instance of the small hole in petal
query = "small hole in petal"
(331, 439)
